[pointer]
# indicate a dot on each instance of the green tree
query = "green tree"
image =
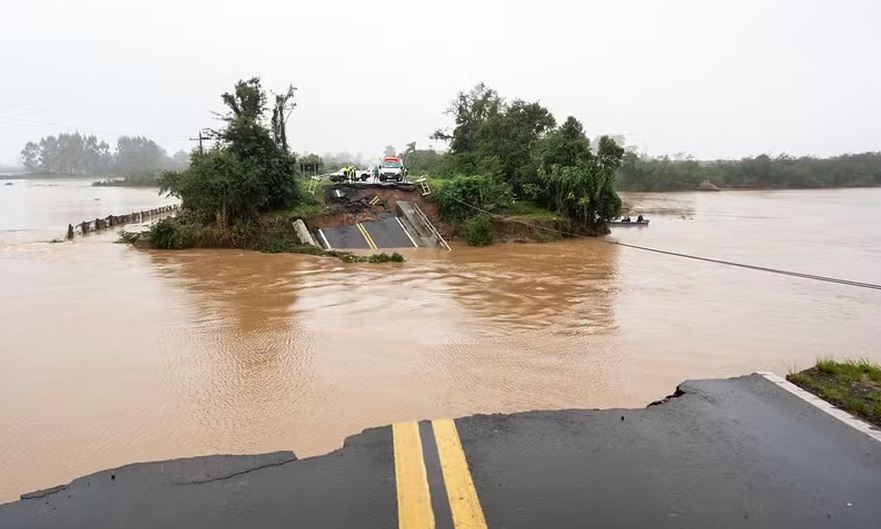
(565, 146)
(489, 131)
(470, 111)
(585, 192)
(245, 173)
(512, 136)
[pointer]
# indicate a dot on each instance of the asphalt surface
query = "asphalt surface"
(385, 233)
(740, 452)
(345, 237)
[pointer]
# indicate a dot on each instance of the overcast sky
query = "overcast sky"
(717, 79)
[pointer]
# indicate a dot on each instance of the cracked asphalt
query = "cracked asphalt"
(740, 452)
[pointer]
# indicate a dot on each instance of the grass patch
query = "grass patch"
(853, 385)
(310, 206)
(526, 210)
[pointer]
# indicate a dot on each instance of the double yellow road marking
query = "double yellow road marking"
(414, 500)
(366, 235)
(414, 497)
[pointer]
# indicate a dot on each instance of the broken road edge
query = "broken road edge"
(198, 470)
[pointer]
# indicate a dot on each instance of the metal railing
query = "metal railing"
(112, 221)
(438, 237)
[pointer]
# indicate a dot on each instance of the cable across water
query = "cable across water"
(802, 275)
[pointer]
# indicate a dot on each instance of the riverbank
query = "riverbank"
(522, 470)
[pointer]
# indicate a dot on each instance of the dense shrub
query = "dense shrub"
(463, 197)
(163, 234)
(478, 231)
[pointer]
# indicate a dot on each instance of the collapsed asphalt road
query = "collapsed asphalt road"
(740, 452)
(387, 232)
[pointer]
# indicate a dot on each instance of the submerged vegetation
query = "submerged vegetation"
(854, 386)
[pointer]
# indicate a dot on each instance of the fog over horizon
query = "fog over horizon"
(717, 79)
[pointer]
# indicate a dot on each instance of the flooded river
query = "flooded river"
(110, 355)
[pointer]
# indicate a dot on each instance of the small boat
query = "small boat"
(616, 223)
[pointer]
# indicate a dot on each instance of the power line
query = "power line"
(802, 275)
(814, 277)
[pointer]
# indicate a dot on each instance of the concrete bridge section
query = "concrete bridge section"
(384, 233)
(743, 452)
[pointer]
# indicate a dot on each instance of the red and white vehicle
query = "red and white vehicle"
(392, 169)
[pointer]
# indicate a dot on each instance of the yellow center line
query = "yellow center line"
(411, 479)
(464, 504)
(367, 236)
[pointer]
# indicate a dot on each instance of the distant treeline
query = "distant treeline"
(78, 154)
(783, 171)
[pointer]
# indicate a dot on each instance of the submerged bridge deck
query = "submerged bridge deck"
(387, 232)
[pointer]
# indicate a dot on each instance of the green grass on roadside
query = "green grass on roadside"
(310, 206)
(854, 386)
(435, 183)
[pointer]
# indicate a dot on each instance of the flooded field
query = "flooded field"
(112, 355)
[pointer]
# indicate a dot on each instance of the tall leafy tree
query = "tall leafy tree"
(247, 172)
(566, 145)
(512, 136)
(492, 136)
(585, 191)
(470, 111)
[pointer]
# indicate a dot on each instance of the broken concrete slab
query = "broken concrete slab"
(303, 234)
(422, 234)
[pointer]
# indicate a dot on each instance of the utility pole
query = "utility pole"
(200, 138)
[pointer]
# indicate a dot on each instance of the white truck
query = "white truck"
(392, 170)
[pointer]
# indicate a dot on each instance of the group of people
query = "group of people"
(638, 219)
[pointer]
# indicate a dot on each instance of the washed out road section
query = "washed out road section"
(345, 237)
(740, 452)
(382, 233)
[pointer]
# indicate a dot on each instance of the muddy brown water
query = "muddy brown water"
(111, 355)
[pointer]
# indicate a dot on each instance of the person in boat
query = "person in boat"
(626, 219)
(640, 219)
